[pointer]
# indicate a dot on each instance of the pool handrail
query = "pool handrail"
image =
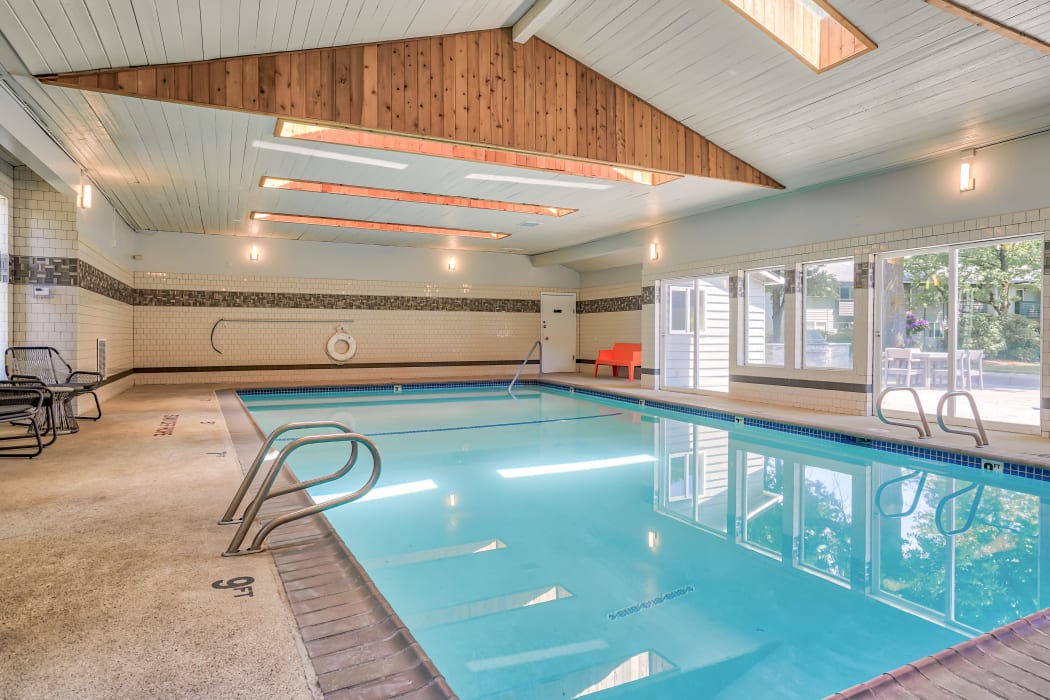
(924, 428)
(537, 344)
(228, 518)
(252, 511)
(981, 437)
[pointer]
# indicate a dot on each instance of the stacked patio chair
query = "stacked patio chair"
(26, 404)
(45, 365)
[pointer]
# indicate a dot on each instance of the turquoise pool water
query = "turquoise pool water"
(548, 546)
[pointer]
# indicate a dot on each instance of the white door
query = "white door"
(558, 331)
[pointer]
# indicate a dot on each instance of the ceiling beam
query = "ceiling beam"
(475, 88)
(23, 138)
(991, 25)
(536, 18)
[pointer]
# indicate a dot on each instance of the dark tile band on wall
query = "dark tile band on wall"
(95, 280)
(30, 269)
(72, 272)
(863, 277)
(609, 305)
(649, 294)
(801, 383)
(353, 302)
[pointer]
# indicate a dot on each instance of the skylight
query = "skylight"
(345, 136)
(812, 30)
(371, 225)
(405, 196)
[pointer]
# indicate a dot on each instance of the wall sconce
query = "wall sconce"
(84, 201)
(966, 181)
(654, 539)
(253, 254)
(452, 500)
(654, 252)
(452, 264)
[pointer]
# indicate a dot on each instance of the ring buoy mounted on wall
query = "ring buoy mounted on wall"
(339, 339)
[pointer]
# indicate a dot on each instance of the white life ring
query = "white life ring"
(341, 336)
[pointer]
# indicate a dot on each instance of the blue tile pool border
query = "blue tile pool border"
(1026, 471)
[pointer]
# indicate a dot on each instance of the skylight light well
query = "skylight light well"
(812, 30)
(406, 196)
(345, 136)
(372, 225)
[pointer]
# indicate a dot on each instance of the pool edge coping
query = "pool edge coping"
(312, 544)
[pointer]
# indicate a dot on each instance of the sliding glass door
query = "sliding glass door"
(963, 317)
(695, 333)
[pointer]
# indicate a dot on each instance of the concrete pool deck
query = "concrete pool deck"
(110, 549)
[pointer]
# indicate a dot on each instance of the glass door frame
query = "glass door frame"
(698, 324)
(951, 338)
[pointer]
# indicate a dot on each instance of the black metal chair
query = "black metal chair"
(45, 365)
(27, 404)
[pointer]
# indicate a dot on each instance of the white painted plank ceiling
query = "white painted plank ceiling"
(936, 84)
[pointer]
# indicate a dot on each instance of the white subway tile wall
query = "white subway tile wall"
(44, 220)
(43, 224)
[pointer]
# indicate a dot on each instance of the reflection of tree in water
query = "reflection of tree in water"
(996, 560)
(826, 525)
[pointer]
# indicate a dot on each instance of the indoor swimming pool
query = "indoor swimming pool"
(556, 543)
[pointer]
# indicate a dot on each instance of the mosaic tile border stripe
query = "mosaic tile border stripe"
(1027, 471)
(609, 305)
(95, 280)
(72, 272)
(30, 269)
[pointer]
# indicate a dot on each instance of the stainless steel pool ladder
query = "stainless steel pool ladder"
(981, 437)
(266, 490)
(923, 428)
(537, 344)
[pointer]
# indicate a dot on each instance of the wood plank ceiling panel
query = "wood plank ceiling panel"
(404, 102)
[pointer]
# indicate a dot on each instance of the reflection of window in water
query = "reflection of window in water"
(827, 521)
(955, 550)
(694, 476)
(763, 502)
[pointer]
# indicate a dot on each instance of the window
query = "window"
(680, 310)
(764, 332)
(828, 329)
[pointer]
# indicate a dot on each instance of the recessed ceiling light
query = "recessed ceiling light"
(373, 225)
(415, 197)
(538, 181)
(318, 153)
(346, 136)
